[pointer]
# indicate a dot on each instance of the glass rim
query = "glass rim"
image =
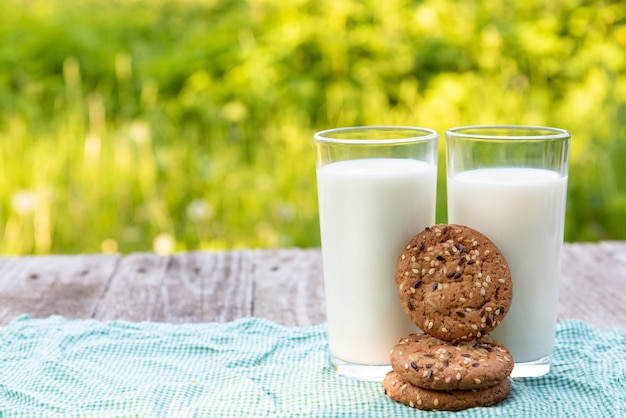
(420, 135)
(548, 133)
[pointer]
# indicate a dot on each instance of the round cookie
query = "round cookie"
(430, 363)
(454, 400)
(454, 283)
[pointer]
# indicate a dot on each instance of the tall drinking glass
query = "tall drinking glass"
(510, 183)
(376, 190)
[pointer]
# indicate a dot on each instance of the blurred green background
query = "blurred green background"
(156, 125)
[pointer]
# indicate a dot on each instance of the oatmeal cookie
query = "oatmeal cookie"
(453, 400)
(430, 363)
(454, 283)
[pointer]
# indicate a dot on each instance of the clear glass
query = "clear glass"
(376, 190)
(510, 183)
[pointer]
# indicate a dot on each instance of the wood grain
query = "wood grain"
(593, 284)
(207, 287)
(289, 286)
(282, 285)
(134, 291)
(54, 285)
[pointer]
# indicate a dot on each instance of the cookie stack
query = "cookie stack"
(455, 285)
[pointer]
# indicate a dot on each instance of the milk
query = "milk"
(369, 210)
(522, 210)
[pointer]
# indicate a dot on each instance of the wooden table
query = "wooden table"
(284, 285)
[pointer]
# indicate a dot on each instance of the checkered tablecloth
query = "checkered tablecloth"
(251, 367)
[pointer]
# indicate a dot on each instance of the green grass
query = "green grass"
(179, 125)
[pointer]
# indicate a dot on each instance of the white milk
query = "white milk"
(522, 211)
(369, 210)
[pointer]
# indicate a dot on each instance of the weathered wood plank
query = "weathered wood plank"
(187, 287)
(61, 285)
(289, 286)
(593, 284)
(207, 287)
(133, 293)
(283, 285)
(616, 249)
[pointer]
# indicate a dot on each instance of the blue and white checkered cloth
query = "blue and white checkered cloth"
(251, 367)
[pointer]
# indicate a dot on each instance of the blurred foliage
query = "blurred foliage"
(130, 125)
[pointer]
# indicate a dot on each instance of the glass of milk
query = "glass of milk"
(510, 183)
(376, 190)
